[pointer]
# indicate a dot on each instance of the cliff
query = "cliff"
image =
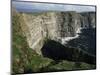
(88, 19)
(54, 25)
(30, 30)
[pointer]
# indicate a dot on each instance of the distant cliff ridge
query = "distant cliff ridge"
(54, 26)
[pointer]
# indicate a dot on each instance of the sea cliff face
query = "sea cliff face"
(40, 26)
(54, 26)
(37, 41)
(88, 19)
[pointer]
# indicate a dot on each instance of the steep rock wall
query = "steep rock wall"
(53, 25)
(39, 26)
(88, 19)
(70, 24)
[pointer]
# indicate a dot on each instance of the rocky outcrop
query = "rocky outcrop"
(54, 26)
(40, 26)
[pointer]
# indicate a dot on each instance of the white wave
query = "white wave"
(65, 39)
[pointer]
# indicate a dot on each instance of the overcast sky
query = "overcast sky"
(27, 6)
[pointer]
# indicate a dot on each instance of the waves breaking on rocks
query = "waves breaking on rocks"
(65, 39)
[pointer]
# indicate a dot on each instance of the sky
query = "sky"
(36, 7)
